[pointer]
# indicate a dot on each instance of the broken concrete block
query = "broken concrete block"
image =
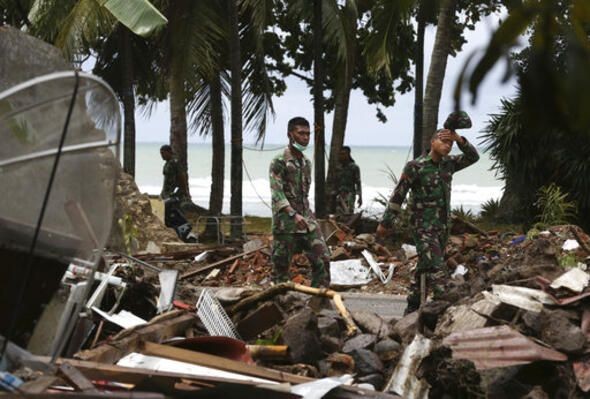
(366, 362)
(387, 349)
(330, 344)
(559, 332)
(263, 318)
(371, 323)
(362, 341)
(302, 336)
(329, 326)
(405, 328)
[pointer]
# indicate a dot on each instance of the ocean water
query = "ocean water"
(471, 187)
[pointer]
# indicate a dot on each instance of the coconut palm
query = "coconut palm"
(436, 73)
(83, 27)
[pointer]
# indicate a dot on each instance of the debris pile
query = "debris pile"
(135, 227)
(513, 321)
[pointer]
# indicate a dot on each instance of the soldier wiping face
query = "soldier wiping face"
(441, 143)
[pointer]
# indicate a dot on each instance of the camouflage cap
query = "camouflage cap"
(457, 120)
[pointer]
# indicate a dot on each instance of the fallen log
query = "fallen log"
(278, 289)
(220, 263)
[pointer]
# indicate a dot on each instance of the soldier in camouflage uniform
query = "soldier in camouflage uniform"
(294, 227)
(429, 179)
(173, 175)
(348, 184)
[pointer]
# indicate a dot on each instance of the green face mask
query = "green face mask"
(298, 146)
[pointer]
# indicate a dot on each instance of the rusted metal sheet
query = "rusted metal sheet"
(499, 346)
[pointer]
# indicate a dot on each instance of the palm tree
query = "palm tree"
(236, 119)
(438, 65)
(318, 110)
(419, 86)
(78, 27)
(209, 86)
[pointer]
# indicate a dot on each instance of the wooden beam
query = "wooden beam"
(220, 263)
(75, 378)
(156, 332)
(220, 363)
(131, 375)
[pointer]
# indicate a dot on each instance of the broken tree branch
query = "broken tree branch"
(278, 289)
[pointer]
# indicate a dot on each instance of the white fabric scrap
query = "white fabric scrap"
(318, 388)
(350, 272)
(570, 245)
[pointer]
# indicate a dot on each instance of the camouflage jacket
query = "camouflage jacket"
(171, 174)
(290, 179)
(348, 179)
(430, 184)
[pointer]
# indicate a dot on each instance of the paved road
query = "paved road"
(387, 306)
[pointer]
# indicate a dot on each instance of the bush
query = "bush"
(490, 210)
(554, 206)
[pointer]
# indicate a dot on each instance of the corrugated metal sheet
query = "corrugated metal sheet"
(499, 346)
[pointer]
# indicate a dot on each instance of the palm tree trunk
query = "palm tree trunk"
(178, 124)
(218, 160)
(236, 121)
(318, 112)
(341, 103)
(128, 100)
(436, 73)
(419, 87)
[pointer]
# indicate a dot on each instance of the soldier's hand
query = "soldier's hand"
(382, 231)
(300, 222)
(360, 202)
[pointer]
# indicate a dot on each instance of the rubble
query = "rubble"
(513, 311)
(134, 221)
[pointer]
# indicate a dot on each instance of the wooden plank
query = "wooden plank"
(220, 363)
(220, 263)
(38, 385)
(86, 395)
(156, 332)
(75, 378)
(128, 375)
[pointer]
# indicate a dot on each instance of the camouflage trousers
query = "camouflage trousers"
(345, 203)
(312, 245)
(430, 245)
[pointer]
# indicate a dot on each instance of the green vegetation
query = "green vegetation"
(129, 232)
(554, 206)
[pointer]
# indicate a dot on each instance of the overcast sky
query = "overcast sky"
(363, 127)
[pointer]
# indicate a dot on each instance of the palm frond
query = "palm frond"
(83, 26)
(382, 41)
